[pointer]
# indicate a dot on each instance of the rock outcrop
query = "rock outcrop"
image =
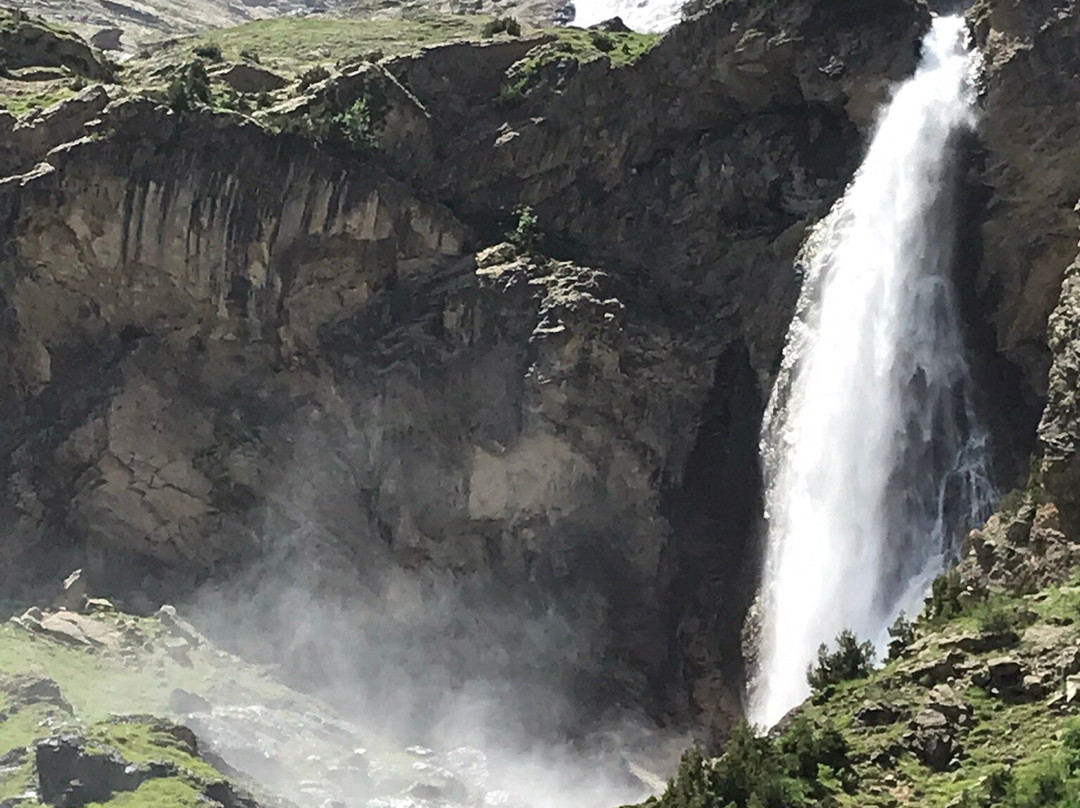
(27, 41)
(1028, 223)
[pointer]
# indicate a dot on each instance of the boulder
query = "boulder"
(177, 627)
(1003, 677)
(186, 702)
(107, 39)
(80, 630)
(1033, 687)
(179, 649)
(1072, 689)
(878, 714)
(933, 740)
(27, 690)
(1005, 672)
(615, 26)
(28, 41)
(944, 700)
(981, 642)
(68, 775)
(248, 78)
(73, 595)
(495, 255)
(937, 670)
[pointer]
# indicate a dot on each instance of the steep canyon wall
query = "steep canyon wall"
(223, 344)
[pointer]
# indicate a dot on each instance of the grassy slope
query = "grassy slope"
(1027, 744)
(23, 98)
(1002, 732)
(292, 45)
(103, 683)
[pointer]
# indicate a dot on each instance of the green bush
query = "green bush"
(210, 51)
(357, 127)
(944, 602)
(808, 747)
(313, 75)
(526, 233)
(901, 636)
(850, 660)
(250, 56)
(602, 41)
(189, 88)
(758, 772)
(997, 618)
(1051, 779)
(353, 128)
(502, 25)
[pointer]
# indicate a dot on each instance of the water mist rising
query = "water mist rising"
(873, 458)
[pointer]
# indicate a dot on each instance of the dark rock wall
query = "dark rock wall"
(1025, 284)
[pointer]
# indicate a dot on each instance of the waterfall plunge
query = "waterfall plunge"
(873, 458)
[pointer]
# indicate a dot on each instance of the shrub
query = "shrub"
(759, 772)
(250, 56)
(502, 25)
(602, 41)
(997, 618)
(210, 51)
(807, 747)
(944, 602)
(901, 636)
(526, 232)
(750, 772)
(313, 75)
(356, 126)
(850, 660)
(189, 88)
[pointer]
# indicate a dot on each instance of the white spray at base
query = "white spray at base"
(873, 458)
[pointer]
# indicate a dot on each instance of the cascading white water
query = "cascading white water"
(873, 458)
(649, 16)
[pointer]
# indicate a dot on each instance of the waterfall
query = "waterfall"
(650, 16)
(874, 460)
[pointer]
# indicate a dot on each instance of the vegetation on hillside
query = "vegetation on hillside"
(553, 62)
(292, 45)
(976, 705)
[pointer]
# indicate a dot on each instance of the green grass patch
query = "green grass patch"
(164, 792)
(30, 724)
(141, 742)
(22, 103)
(575, 45)
(290, 46)
(18, 781)
(99, 683)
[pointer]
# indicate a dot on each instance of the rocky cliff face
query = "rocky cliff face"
(223, 344)
(1025, 283)
(219, 341)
